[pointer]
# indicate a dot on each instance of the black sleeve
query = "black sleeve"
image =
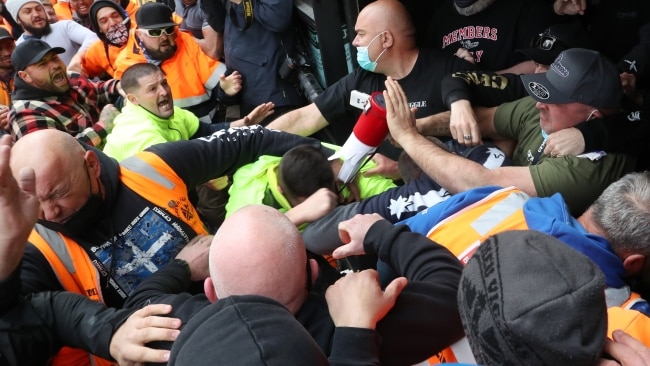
(637, 60)
(36, 273)
(427, 306)
(168, 286)
(80, 322)
(222, 153)
(215, 12)
(174, 278)
(25, 336)
(481, 88)
(221, 95)
(206, 129)
(355, 347)
(9, 292)
(334, 102)
(35, 327)
(620, 133)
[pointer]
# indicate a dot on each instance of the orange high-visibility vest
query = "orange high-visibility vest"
(465, 230)
(631, 321)
(148, 176)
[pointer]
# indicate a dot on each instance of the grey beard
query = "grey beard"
(477, 7)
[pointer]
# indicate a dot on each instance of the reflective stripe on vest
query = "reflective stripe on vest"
(466, 229)
(69, 261)
(76, 273)
(185, 101)
(145, 174)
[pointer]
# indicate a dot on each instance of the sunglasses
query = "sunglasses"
(546, 42)
(159, 32)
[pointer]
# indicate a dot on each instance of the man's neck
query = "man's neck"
(587, 221)
(404, 65)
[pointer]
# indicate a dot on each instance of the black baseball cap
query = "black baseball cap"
(5, 34)
(153, 15)
(577, 75)
(546, 46)
(30, 52)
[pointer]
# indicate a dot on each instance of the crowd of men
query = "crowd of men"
(504, 220)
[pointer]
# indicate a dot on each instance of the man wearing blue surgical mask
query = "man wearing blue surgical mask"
(386, 46)
(363, 56)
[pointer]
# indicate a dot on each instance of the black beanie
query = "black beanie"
(526, 298)
(94, 26)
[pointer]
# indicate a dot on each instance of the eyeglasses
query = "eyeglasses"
(546, 42)
(159, 32)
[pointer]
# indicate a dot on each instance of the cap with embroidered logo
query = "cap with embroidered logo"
(546, 46)
(577, 76)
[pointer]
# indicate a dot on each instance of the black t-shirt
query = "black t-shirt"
(492, 35)
(422, 87)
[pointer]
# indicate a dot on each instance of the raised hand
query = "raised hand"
(18, 210)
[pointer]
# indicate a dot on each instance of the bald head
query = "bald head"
(44, 150)
(258, 251)
(388, 15)
(65, 173)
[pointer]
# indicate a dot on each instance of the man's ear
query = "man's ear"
(634, 264)
(132, 98)
(313, 267)
(93, 164)
(388, 40)
(24, 76)
(208, 288)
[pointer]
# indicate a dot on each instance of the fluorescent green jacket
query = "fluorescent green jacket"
(136, 129)
(257, 183)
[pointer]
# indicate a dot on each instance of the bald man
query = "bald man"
(258, 251)
(104, 226)
(275, 267)
(386, 46)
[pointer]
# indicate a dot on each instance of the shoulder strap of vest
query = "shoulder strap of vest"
(150, 177)
(69, 261)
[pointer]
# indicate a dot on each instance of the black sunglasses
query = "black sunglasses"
(159, 32)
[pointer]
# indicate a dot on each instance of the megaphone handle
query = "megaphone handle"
(368, 158)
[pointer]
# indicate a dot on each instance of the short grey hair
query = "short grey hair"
(623, 212)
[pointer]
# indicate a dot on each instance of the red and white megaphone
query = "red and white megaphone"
(369, 132)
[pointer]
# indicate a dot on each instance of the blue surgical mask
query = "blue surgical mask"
(364, 59)
(544, 135)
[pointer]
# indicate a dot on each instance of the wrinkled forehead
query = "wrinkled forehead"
(152, 79)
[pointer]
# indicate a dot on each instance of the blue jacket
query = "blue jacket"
(549, 215)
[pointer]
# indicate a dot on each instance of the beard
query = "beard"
(162, 55)
(38, 32)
